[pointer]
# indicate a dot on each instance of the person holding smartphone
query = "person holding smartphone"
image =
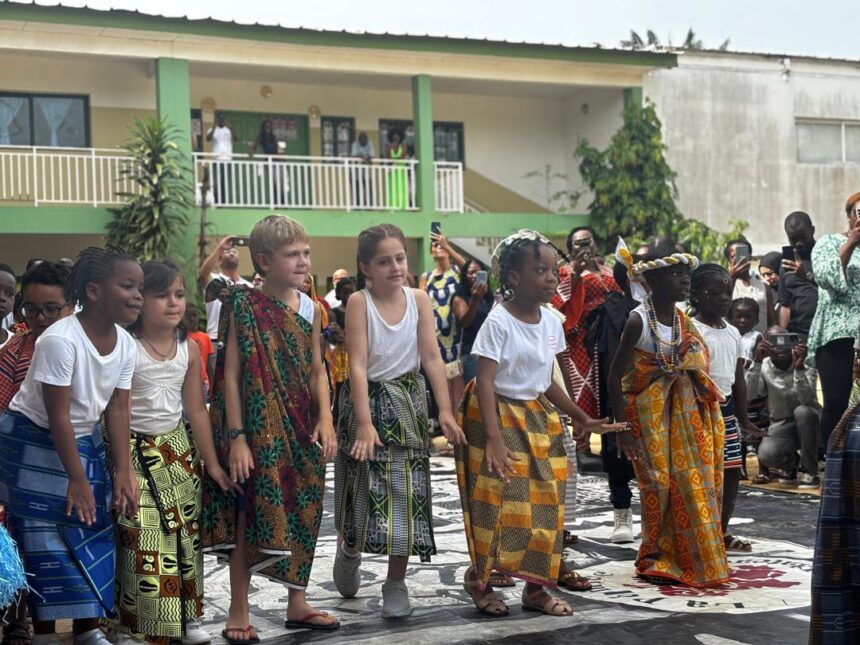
(472, 302)
(226, 256)
(746, 284)
(836, 265)
(798, 291)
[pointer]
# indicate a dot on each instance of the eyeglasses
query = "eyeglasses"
(48, 311)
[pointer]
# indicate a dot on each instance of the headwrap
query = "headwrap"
(522, 234)
(623, 256)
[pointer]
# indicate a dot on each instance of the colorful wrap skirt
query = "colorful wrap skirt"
(71, 564)
(384, 505)
(159, 586)
(732, 446)
(516, 527)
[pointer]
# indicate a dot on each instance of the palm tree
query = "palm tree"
(652, 41)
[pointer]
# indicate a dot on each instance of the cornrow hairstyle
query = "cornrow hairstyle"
(368, 240)
(511, 259)
(700, 277)
(744, 302)
(52, 274)
(93, 265)
(158, 275)
(731, 243)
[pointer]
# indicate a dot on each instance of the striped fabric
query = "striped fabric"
(15, 360)
(732, 442)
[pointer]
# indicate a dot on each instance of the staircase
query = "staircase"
(480, 248)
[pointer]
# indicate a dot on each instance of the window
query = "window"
(448, 138)
(338, 133)
(828, 142)
(44, 120)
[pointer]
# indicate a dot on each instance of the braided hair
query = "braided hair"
(94, 264)
(511, 259)
(700, 276)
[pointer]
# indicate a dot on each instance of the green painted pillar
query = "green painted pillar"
(632, 95)
(173, 100)
(425, 188)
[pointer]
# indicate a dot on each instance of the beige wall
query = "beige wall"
(17, 250)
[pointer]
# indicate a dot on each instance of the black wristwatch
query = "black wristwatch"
(233, 433)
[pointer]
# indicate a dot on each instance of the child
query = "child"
(7, 300)
(167, 468)
(659, 383)
(382, 473)
(340, 358)
(54, 458)
(191, 323)
(512, 473)
(711, 299)
(272, 420)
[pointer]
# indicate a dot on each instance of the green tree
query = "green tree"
(652, 41)
(155, 214)
(634, 190)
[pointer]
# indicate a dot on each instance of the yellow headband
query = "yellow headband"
(622, 255)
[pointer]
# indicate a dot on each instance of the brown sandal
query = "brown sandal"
(572, 581)
(551, 606)
(486, 601)
(501, 580)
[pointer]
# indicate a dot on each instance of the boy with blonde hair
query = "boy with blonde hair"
(272, 421)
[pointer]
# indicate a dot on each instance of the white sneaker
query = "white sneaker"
(346, 572)
(623, 531)
(195, 634)
(395, 599)
(808, 481)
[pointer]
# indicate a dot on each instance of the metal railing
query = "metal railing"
(309, 183)
(448, 180)
(77, 176)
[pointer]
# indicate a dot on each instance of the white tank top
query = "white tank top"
(156, 391)
(392, 350)
(306, 307)
(646, 342)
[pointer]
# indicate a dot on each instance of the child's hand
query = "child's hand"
(80, 498)
(126, 494)
(241, 460)
(500, 460)
(453, 433)
(600, 426)
(752, 430)
(220, 477)
(367, 438)
(628, 446)
(324, 435)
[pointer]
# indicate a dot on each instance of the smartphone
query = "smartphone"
(788, 253)
(481, 277)
(583, 243)
(743, 253)
(436, 228)
(240, 241)
(784, 341)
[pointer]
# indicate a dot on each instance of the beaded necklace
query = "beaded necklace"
(668, 361)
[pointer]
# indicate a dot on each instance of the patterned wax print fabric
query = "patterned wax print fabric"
(384, 505)
(836, 565)
(15, 357)
(441, 287)
(71, 565)
(838, 307)
(675, 417)
(516, 527)
(580, 303)
(283, 496)
(159, 582)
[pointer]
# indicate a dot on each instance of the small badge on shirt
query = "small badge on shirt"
(552, 343)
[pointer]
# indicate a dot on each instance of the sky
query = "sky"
(826, 28)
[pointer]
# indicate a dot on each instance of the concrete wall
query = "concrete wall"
(729, 124)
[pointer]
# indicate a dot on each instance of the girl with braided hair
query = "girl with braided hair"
(659, 383)
(54, 460)
(512, 473)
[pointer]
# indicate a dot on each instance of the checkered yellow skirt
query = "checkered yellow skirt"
(517, 526)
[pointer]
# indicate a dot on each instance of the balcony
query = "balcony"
(94, 177)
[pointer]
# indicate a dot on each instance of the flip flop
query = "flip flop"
(306, 623)
(240, 641)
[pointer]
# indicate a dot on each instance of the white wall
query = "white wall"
(729, 124)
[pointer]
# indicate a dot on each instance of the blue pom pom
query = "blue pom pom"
(12, 579)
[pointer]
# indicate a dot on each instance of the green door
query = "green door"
(291, 129)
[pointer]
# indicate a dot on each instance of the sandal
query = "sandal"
(546, 604)
(659, 581)
(16, 634)
(247, 631)
(569, 538)
(307, 622)
(737, 545)
(761, 479)
(486, 601)
(572, 581)
(501, 580)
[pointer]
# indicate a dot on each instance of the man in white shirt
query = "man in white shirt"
(222, 137)
(336, 277)
(363, 149)
(226, 256)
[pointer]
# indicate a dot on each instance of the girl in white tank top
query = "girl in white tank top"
(383, 419)
(167, 379)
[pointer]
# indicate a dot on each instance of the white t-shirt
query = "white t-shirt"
(213, 309)
(332, 300)
(525, 352)
(65, 356)
(222, 143)
(724, 350)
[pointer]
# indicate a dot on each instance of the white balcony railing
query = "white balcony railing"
(309, 183)
(449, 186)
(77, 176)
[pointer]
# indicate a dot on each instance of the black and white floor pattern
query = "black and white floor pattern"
(767, 601)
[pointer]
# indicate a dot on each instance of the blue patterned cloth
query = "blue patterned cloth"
(72, 565)
(836, 566)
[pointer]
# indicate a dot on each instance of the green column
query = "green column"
(425, 190)
(173, 100)
(632, 95)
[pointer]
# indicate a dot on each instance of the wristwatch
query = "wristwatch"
(233, 433)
